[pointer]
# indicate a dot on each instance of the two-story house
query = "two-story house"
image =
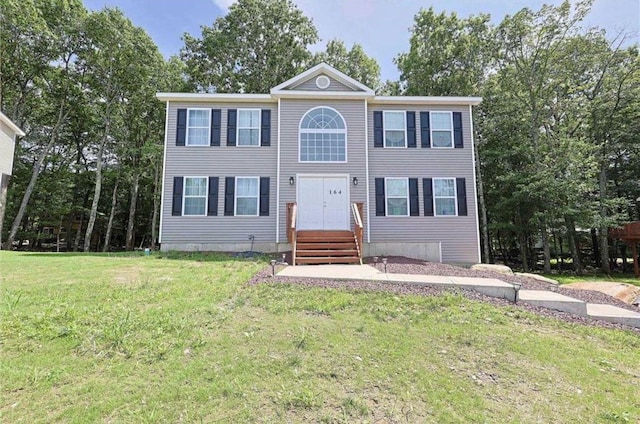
(321, 166)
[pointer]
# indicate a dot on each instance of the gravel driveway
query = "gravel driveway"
(403, 265)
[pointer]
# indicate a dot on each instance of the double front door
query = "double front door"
(323, 203)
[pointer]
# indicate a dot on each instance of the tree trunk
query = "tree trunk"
(156, 206)
(96, 194)
(76, 242)
(546, 246)
(573, 245)
(34, 175)
(484, 226)
(524, 252)
(4, 185)
(603, 231)
(132, 211)
(114, 201)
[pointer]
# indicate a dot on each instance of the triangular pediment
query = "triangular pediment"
(321, 79)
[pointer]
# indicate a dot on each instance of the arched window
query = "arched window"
(323, 136)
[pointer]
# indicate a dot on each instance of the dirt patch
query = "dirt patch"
(127, 275)
(622, 291)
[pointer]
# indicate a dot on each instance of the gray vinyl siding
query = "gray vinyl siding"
(7, 146)
(291, 112)
(458, 235)
(223, 161)
(310, 85)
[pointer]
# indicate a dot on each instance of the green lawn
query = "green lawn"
(128, 338)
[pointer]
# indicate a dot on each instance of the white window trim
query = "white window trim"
(184, 194)
(384, 129)
(186, 136)
(431, 129)
(386, 196)
(235, 197)
(329, 131)
(249, 128)
(455, 196)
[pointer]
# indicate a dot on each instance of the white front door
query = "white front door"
(323, 203)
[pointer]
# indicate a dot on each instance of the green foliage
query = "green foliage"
(256, 46)
(354, 62)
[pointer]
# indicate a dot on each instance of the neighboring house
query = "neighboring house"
(235, 165)
(8, 133)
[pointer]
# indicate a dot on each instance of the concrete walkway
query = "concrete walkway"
(488, 286)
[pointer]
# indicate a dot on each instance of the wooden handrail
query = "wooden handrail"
(358, 230)
(292, 219)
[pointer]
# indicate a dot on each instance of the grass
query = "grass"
(128, 338)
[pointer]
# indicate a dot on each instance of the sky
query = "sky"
(382, 27)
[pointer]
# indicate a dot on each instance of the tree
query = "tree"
(37, 90)
(256, 46)
(354, 62)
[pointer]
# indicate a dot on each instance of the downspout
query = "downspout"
(366, 150)
(278, 183)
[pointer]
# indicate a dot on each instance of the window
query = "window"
(441, 129)
(395, 130)
(444, 190)
(195, 196)
(248, 127)
(397, 191)
(247, 196)
(323, 136)
(198, 127)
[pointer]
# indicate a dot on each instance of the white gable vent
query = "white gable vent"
(323, 82)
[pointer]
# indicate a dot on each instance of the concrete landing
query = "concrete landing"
(553, 300)
(612, 313)
(487, 286)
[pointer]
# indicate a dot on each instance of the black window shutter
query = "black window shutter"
(411, 129)
(216, 126)
(212, 201)
(458, 143)
(427, 188)
(414, 208)
(264, 196)
(378, 130)
(176, 206)
(229, 196)
(380, 198)
(181, 127)
(461, 193)
(425, 133)
(265, 133)
(231, 127)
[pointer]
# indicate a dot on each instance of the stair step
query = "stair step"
(337, 239)
(327, 260)
(325, 233)
(327, 253)
(328, 245)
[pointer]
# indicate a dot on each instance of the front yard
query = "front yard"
(129, 338)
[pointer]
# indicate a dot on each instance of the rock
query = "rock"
(538, 277)
(502, 269)
(627, 293)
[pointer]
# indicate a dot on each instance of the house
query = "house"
(8, 133)
(321, 166)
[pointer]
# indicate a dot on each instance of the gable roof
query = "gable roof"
(288, 88)
(11, 125)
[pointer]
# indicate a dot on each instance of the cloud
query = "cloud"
(223, 4)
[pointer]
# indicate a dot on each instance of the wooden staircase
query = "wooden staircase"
(326, 247)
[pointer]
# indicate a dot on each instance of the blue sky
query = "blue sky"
(380, 26)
